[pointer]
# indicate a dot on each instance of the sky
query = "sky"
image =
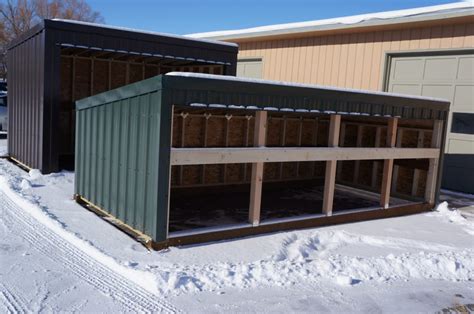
(188, 16)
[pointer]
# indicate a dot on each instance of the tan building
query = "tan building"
(426, 51)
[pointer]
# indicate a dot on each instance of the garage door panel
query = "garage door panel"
(438, 91)
(406, 89)
(411, 69)
(466, 68)
(441, 69)
(463, 98)
(461, 146)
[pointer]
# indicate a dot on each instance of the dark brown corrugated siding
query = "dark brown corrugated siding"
(25, 81)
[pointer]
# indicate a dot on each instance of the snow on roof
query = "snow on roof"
(146, 32)
(380, 18)
(281, 83)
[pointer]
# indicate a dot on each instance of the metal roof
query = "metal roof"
(211, 90)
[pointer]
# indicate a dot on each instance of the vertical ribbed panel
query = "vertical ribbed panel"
(25, 109)
(353, 60)
(117, 159)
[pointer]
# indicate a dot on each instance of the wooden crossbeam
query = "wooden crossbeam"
(436, 139)
(388, 163)
(222, 155)
(257, 169)
(331, 165)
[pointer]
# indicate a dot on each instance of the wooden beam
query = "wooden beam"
(375, 165)
(436, 138)
(396, 167)
(360, 129)
(300, 139)
(416, 173)
(183, 115)
(388, 164)
(257, 169)
(342, 137)
(315, 143)
(247, 135)
(331, 165)
(237, 155)
(283, 142)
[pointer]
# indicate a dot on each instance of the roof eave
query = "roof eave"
(338, 27)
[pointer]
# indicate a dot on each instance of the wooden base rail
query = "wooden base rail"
(223, 155)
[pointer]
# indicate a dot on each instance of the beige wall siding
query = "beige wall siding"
(349, 60)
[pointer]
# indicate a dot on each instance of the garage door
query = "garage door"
(448, 76)
(251, 68)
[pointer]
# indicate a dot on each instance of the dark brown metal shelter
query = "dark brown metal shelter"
(58, 62)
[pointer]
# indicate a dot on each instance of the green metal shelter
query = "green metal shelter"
(132, 150)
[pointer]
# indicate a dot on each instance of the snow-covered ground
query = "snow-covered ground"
(57, 256)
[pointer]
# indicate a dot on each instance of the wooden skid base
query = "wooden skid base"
(137, 235)
(19, 164)
(294, 224)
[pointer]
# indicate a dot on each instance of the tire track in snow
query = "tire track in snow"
(12, 302)
(129, 294)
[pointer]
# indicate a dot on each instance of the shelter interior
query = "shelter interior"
(209, 196)
(86, 72)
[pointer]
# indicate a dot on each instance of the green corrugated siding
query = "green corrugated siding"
(118, 159)
(124, 135)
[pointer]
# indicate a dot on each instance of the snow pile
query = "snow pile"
(454, 216)
(314, 256)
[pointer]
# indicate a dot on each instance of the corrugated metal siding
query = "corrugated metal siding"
(25, 106)
(352, 60)
(117, 160)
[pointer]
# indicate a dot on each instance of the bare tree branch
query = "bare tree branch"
(17, 16)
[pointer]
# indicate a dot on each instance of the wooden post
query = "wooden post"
(416, 173)
(183, 123)
(388, 164)
(331, 165)
(355, 178)
(342, 136)
(283, 140)
(375, 165)
(300, 139)
(206, 123)
(315, 143)
(247, 130)
(432, 175)
(257, 169)
(226, 144)
(395, 167)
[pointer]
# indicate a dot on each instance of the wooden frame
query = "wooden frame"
(388, 164)
(201, 156)
(331, 165)
(257, 169)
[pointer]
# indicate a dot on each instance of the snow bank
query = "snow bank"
(144, 279)
(313, 257)
(454, 216)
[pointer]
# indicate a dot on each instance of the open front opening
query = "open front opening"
(270, 166)
(86, 72)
